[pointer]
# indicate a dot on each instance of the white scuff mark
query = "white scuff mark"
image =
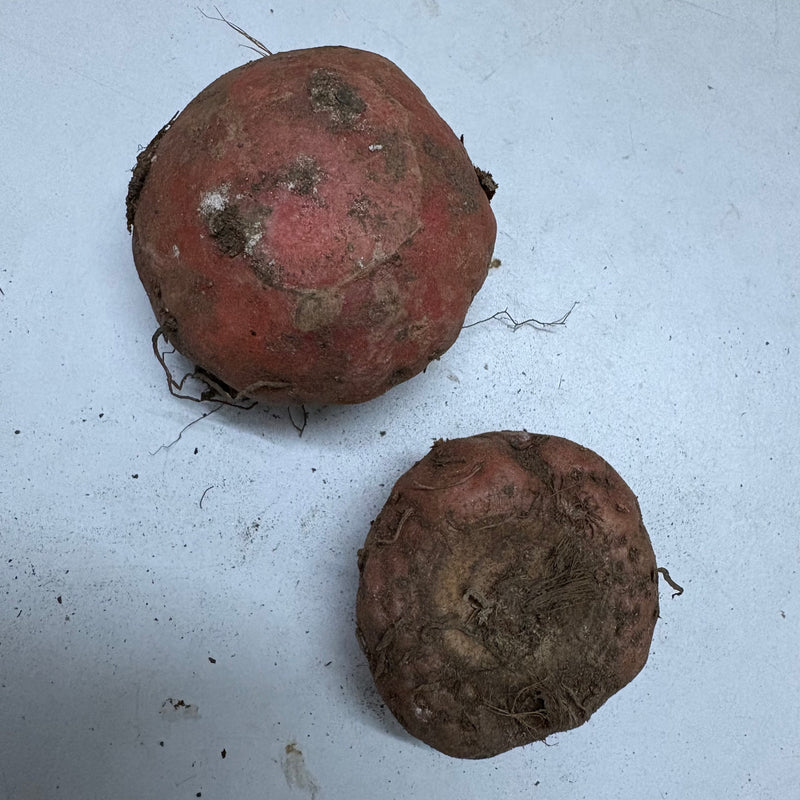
(215, 200)
(176, 253)
(296, 773)
(374, 147)
(253, 239)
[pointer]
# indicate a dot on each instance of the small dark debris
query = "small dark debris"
(17, 431)
(224, 752)
(212, 660)
(135, 475)
(161, 744)
(58, 599)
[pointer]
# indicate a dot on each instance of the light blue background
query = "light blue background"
(647, 154)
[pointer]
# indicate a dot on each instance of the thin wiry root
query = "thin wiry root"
(515, 325)
(214, 392)
(259, 48)
(520, 716)
(517, 715)
(299, 426)
(182, 431)
(203, 496)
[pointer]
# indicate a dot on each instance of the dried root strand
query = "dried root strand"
(259, 48)
(515, 324)
(298, 426)
(678, 589)
(180, 436)
(521, 716)
(215, 392)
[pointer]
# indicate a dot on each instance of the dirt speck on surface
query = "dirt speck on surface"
(174, 710)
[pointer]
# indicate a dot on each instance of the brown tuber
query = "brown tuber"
(508, 588)
(309, 229)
